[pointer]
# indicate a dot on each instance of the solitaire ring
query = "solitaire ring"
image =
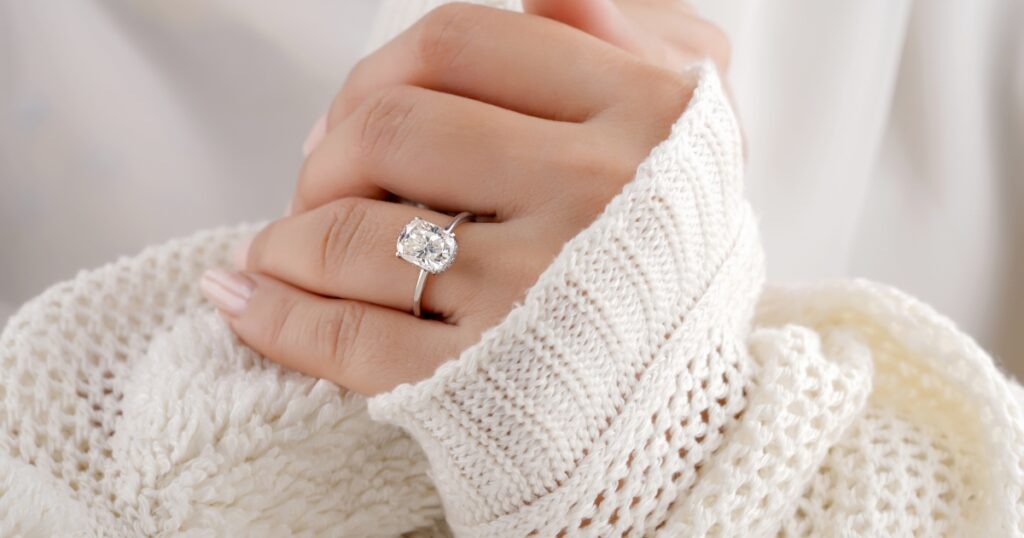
(429, 247)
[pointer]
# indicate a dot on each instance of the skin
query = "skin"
(534, 121)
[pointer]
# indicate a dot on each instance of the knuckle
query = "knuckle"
(715, 44)
(598, 165)
(668, 86)
(663, 94)
(384, 119)
(444, 33)
(348, 97)
(344, 223)
(279, 332)
(256, 256)
(314, 172)
(598, 172)
(341, 332)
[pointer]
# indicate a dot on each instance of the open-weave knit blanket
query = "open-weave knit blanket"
(648, 385)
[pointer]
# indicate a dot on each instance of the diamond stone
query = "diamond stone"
(426, 245)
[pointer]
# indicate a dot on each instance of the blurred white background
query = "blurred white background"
(886, 137)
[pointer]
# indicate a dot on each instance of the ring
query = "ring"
(429, 247)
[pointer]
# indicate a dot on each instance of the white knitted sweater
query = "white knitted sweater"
(647, 385)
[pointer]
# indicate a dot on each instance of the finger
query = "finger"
(683, 37)
(365, 348)
(347, 249)
(646, 29)
(512, 60)
(599, 18)
(448, 152)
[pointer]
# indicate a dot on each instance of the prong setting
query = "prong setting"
(427, 246)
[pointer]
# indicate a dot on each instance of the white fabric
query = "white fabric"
(883, 135)
(633, 392)
(884, 142)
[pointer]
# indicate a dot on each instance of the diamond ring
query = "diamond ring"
(429, 247)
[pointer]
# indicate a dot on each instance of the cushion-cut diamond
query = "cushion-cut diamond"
(426, 246)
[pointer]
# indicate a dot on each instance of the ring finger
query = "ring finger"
(347, 249)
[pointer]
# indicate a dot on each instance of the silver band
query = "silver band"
(421, 280)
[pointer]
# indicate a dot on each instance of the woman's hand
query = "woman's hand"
(522, 119)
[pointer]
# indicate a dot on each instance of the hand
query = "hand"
(527, 121)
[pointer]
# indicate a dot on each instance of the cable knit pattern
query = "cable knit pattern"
(646, 386)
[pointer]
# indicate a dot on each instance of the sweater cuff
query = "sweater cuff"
(577, 387)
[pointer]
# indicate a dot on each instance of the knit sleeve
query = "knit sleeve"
(590, 406)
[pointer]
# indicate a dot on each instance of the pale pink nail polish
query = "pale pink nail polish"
(317, 134)
(240, 254)
(229, 291)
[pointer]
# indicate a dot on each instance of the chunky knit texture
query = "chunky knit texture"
(646, 386)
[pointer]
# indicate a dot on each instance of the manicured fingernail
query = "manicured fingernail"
(227, 290)
(317, 134)
(240, 254)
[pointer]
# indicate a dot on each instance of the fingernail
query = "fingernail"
(240, 254)
(290, 209)
(227, 290)
(315, 136)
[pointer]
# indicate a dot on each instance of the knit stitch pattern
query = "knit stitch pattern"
(129, 409)
(634, 331)
(647, 385)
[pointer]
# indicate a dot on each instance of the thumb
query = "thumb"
(599, 18)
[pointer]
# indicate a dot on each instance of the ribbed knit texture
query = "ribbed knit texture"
(646, 386)
(632, 332)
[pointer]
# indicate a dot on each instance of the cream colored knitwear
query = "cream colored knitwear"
(647, 386)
